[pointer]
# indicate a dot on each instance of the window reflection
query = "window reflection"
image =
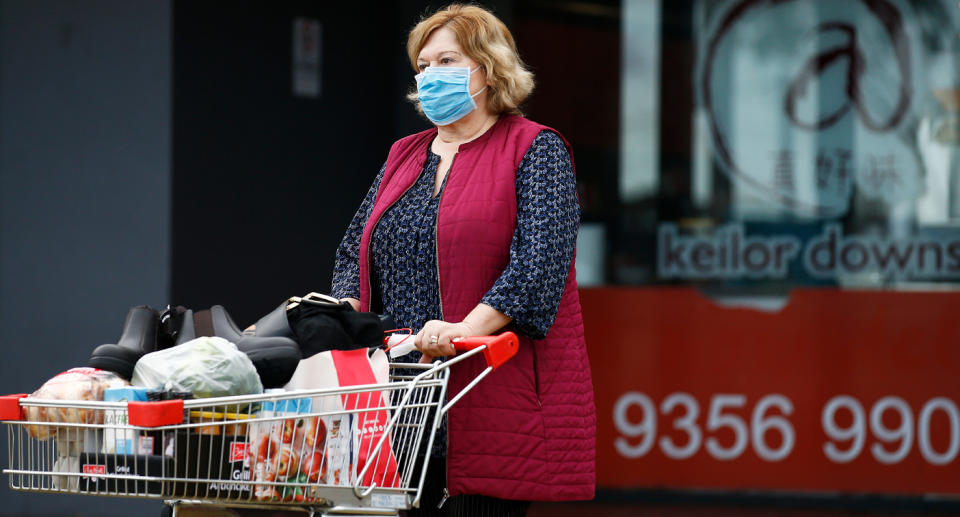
(813, 142)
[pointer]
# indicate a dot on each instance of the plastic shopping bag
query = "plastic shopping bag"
(206, 366)
(346, 458)
(77, 384)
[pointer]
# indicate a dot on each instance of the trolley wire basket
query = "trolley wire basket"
(357, 450)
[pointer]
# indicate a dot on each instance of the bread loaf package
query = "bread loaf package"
(76, 384)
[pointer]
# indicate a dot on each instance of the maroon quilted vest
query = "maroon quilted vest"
(528, 430)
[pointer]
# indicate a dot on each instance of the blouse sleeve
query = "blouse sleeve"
(346, 270)
(548, 217)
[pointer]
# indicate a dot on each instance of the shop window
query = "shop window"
(753, 146)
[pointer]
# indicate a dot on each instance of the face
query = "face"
(443, 50)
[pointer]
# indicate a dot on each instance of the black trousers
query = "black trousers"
(462, 505)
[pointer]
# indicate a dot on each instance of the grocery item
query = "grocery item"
(66, 464)
(363, 429)
(93, 466)
(117, 437)
(302, 450)
(74, 384)
(205, 366)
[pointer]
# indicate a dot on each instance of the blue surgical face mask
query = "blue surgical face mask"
(444, 93)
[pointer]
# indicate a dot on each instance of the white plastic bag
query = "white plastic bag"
(206, 366)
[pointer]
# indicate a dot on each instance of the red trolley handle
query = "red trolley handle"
(499, 349)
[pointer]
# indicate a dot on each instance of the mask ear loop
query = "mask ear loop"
(468, 84)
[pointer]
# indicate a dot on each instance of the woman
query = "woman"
(469, 229)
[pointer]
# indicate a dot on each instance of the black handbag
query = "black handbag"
(319, 323)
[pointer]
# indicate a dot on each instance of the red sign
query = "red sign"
(238, 451)
(94, 469)
(852, 391)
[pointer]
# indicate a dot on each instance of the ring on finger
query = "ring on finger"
(434, 339)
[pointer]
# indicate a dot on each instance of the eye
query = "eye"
(446, 60)
(421, 66)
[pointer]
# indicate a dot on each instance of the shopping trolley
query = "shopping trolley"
(357, 450)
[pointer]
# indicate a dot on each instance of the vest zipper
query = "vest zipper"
(436, 246)
(443, 500)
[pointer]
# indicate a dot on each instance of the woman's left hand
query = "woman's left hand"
(434, 338)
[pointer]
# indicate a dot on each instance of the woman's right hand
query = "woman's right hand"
(355, 303)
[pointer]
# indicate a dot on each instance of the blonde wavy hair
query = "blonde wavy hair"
(486, 40)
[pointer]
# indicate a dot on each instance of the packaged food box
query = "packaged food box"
(118, 436)
(219, 460)
(95, 465)
(300, 452)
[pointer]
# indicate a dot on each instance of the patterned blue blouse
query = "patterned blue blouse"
(404, 245)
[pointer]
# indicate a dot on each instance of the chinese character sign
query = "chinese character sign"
(808, 100)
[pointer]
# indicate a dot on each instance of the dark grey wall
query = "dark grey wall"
(85, 109)
(265, 182)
